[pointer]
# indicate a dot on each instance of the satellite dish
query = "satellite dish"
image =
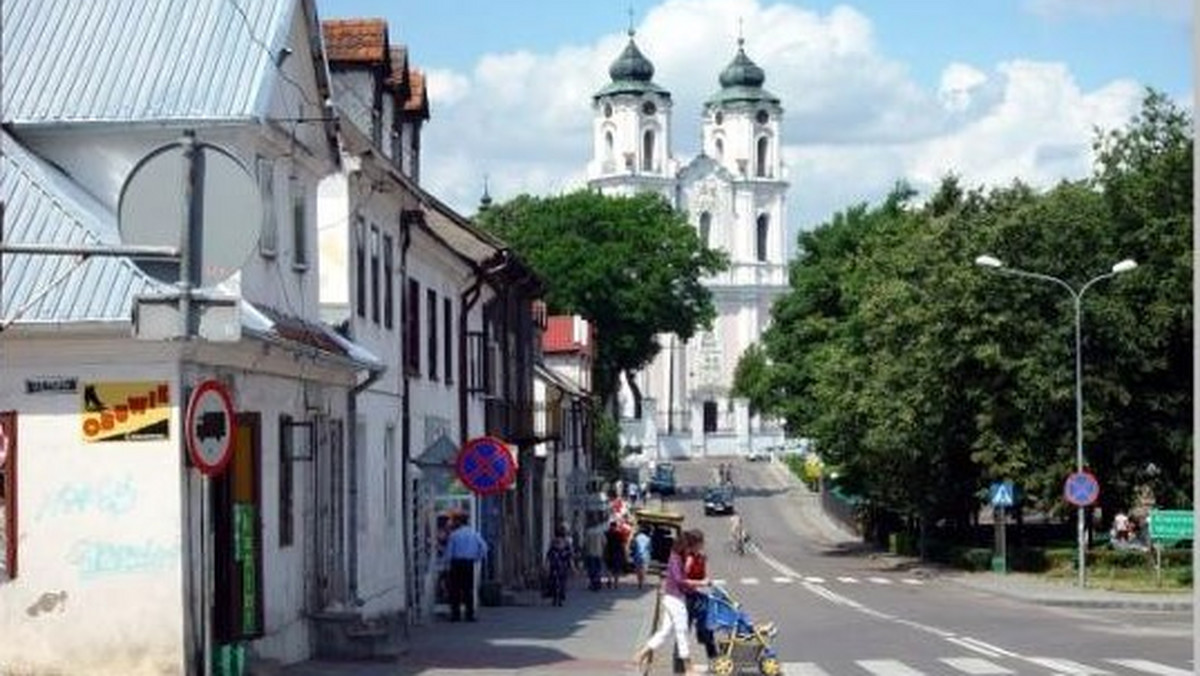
(226, 209)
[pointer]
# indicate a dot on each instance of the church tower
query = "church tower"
(631, 130)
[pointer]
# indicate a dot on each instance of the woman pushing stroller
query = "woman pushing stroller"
(675, 588)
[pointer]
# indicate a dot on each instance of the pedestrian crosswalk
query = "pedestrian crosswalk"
(816, 579)
(977, 666)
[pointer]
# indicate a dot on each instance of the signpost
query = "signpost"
(1168, 526)
(486, 466)
(1001, 495)
(208, 427)
(1081, 488)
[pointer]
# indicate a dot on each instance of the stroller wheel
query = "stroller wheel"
(769, 666)
(722, 666)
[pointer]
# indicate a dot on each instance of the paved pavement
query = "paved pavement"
(596, 633)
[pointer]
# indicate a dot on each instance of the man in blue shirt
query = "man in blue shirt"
(463, 548)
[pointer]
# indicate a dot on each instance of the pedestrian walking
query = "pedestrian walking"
(464, 548)
(558, 566)
(695, 568)
(614, 553)
(674, 619)
(640, 553)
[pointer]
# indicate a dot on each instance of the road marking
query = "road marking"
(1146, 666)
(976, 665)
(718, 582)
(782, 580)
(848, 580)
(750, 581)
(879, 580)
(889, 668)
(1067, 666)
(802, 669)
(912, 581)
(982, 647)
(814, 579)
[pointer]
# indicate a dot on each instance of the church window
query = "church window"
(719, 118)
(705, 228)
(649, 108)
(608, 146)
(763, 117)
(608, 110)
(648, 150)
(760, 164)
(720, 150)
(760, 245)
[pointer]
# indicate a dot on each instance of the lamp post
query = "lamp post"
(1125, 265)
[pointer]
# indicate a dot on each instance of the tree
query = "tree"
(632, 266)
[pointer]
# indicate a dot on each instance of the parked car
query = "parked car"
(718, 500)
(662, 480)
(757, 454)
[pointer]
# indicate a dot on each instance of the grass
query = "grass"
(1126, 579)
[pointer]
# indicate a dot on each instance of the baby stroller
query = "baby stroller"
(740, 642)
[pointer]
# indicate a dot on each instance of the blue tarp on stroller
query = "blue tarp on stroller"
(741, 643)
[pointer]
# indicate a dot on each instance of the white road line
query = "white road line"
(1148, 667)
(1067, 666)
(879, 580)
(802, 669)
(912, 581)
(749, 581)
(889, 668)
(976, 665)
(782, 580)
(718, 582)
(983, 647)
(848, 580)
(814, 579)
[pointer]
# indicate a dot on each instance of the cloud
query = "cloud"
(855, 120)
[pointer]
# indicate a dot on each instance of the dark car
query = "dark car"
(662, 481)
(718, 500)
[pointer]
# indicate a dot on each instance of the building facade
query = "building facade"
(734, 192)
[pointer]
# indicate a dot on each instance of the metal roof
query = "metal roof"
(43, 206)
(129, 61)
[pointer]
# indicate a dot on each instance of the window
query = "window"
(431, 305)
(705, 228)
(648, 150)
(719, 118)
(448, 339)
(8, 496)
(389, 475)
(389, 300)
(608, 110)
(360, 266)
(299, 225)
(608, 146)
(720, 150)
(287, 482)
(760, 245)
(268, 236)
(760, 163)
(412, 328)
(762, 117)
(649, 108)
(375, 274)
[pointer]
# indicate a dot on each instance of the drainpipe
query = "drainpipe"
(406, 222)
(373, 376)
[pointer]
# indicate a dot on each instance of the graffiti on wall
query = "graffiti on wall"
(104, 497)
(94, 559)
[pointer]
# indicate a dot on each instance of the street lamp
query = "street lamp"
(1077, 296)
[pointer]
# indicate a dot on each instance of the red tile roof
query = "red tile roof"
(559, 336)
(418, 99)
(357, 40)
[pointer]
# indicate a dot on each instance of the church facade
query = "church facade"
(734, 193)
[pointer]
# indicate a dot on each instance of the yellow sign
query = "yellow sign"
(126, 411)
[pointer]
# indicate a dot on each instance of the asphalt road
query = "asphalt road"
(840, 610)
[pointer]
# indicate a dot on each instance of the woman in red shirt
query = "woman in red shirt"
(675, 588)
(695, 567)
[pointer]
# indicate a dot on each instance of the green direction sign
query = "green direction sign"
(1171, 524)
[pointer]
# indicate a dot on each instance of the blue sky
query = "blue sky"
(874, 91)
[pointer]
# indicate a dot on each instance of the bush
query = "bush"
(1029, 560)
(973, 558)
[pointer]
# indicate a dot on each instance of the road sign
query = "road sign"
(1172, 524)
(486, 466)
(1081, 488)
(4, 442)
(208, 427)
(1001, 493)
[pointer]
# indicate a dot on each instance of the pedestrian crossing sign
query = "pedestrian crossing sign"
(1001, 494)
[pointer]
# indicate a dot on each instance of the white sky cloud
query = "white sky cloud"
(855, 120)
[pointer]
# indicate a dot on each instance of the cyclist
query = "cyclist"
(737, 534)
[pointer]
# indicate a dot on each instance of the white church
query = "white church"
(734, 192)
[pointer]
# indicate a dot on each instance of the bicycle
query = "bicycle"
(739, 540)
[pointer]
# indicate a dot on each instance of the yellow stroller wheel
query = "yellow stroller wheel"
(769, 666)
(722, 665)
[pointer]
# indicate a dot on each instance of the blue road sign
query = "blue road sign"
(1081, 488)
(1001, 493)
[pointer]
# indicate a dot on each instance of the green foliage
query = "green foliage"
(632, 266)
(923, 377)
(606, 440)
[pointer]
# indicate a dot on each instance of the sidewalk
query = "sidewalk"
(593, 634)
